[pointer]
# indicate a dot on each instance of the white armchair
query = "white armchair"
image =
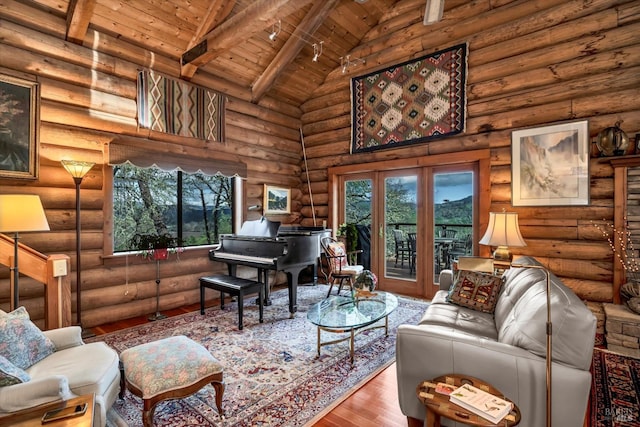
(69, 367)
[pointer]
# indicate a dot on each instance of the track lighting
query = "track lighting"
(346, 62)
(317, 51)
(277, 27)
(305, 37)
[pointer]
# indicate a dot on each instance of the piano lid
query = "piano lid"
(262, 227)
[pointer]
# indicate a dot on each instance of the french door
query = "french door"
(412, 222)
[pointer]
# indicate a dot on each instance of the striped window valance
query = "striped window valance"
(180, 108)
(145, 158)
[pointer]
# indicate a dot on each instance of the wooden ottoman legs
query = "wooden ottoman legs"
(149, 405)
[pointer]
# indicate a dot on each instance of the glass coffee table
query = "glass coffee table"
(338, 314)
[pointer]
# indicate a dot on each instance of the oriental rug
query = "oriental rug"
(272, 373)
(615, 390)
(409, 103)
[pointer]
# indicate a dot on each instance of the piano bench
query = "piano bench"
(234, 286)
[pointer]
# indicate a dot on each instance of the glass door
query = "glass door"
(398, 230)
(453, 213)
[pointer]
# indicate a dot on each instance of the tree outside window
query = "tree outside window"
(193, 208)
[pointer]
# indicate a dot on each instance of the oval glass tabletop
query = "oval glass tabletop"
(338, 312)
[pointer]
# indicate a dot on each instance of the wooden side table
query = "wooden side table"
(33, 417)
(438, 404)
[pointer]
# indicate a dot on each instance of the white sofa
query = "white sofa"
(72, 369)
(505, 348)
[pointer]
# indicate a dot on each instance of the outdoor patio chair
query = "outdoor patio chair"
(402, 247)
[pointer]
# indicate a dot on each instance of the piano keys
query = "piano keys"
(270, 247)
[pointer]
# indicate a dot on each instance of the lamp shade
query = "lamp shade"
(22, 213)
(76, 168)
(503, 230)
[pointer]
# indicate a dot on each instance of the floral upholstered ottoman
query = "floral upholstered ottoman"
(171, 368)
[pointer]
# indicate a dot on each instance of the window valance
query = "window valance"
(167, 161)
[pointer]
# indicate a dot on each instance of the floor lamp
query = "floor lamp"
(78, 170)
(20, 213)
(549, 332)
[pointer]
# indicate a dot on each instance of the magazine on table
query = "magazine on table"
(481, 403)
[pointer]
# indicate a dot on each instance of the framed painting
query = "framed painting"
(550, 165)
(276, 200)
(19, 118)
(409, 103)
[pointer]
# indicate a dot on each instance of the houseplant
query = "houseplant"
(154, 246)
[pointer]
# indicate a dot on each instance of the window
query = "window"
(195, 208)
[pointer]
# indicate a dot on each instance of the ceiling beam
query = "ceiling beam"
(79, 15)
(309, 24)
(217, 12)
(254, 18)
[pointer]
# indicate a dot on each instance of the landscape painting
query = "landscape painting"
(18, 127)
(276, 200)
(550, 165)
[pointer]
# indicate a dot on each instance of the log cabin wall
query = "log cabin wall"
(88, 99)
(530, 63)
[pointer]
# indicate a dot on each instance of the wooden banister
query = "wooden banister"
(40, 267)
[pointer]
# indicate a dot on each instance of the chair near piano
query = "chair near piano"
(340, 270)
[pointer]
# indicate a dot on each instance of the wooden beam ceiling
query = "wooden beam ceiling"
(255, 18)
(312, 20)
(78, 17)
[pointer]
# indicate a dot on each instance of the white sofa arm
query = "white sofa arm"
(445, 280)
(70, 336)
(427, 352)
(33, 393)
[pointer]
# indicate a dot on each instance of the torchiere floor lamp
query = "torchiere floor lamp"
(78, 170)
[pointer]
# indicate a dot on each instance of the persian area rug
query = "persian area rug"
(615, 390)
(272, 373)
(409, 103)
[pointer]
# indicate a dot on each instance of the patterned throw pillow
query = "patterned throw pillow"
(338, 253)
(475, 290)
(21, 342)
(10, 374)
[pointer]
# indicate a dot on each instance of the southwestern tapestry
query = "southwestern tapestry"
(180, 108)
(409, 103)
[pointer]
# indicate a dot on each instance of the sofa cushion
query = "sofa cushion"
(10, 374)
(475, 290)
(524, 323)
(21, 342)
(460, 319)
(89, 368)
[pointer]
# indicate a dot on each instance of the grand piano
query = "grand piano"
(266, 245)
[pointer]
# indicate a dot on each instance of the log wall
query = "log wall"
(88, 99)
(530, 63)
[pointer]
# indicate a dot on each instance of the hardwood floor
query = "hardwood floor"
(373, 405)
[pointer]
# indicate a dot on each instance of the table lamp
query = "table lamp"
(503, 231)
(20, 213)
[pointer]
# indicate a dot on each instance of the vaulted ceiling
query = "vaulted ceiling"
(229, 39)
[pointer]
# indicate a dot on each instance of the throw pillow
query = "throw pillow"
(338, 254)
(21, 342)
(10, 374)
(475, 290)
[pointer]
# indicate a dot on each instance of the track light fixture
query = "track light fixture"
(277, 27)
(317, 51)
(346, 62)
(305, 37)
